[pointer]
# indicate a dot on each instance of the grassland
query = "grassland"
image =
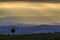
(40, 36)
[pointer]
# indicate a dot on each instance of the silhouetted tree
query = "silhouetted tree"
(13, 30)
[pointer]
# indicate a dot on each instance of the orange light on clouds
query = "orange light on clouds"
(32, 5)
(34, 12)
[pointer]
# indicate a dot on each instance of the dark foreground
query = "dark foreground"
(40, 36)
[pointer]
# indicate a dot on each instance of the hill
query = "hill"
(20, 29)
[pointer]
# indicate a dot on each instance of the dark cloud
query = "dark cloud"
(29, 0)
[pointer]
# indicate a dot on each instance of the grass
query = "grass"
(40, 36)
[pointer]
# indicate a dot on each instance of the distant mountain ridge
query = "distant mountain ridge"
(30, 29)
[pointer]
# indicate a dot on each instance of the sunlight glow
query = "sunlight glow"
(29, 5)
(30, 12)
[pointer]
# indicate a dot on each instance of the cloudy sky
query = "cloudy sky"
(29, 0)
(29, 13)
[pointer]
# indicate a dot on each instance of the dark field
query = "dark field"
(40, 36)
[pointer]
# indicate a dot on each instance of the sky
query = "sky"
(30, 0)
(29, 12)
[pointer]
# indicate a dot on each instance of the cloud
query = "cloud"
(29, 0)
(29, 9)
(34, 13)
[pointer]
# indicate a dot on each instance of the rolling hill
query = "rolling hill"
(20, 29)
